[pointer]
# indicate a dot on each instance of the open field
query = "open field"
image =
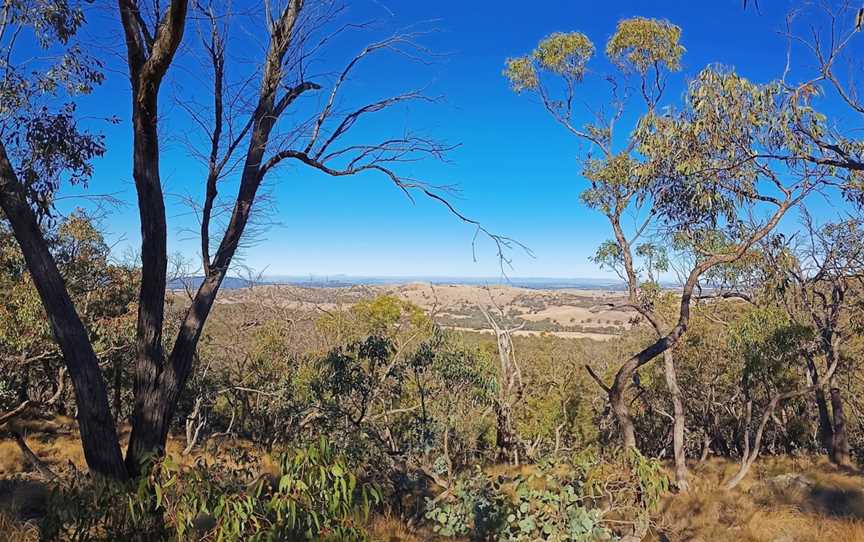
(567, 313)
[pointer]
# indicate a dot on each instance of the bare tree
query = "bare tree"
(509, 385)
(255, 146)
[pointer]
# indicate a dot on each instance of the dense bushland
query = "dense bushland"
(255, 421)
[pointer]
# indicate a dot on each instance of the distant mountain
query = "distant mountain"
(343, 281)
(230, 283)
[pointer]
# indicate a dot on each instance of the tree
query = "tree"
(41, 147)
(510, 385)
(712, 167)
(54, 150)
(647, 50)
(772, 348)
(816, 278)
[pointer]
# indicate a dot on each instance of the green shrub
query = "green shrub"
(579, 500)
(315, 497)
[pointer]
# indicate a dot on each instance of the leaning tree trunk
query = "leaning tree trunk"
(98, 434)
(622, 414)
(840, 453)
(678, 421)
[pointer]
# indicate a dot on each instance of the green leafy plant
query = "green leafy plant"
(586, 498)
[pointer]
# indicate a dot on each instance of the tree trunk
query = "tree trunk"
(154, 263)
(826, 432)
(622, 414)
(504, 437)
(148, 64)
(840, 453)
(98, 434)
(749, 455)
(678, 422)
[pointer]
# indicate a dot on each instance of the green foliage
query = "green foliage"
(37, 113)
(772, 347)
(97, 510)
(640, 44)
(554, 501)
(563, 54)
(103, 293)
(315, 496)
(705, 157)
(521, 73)
(386, 314)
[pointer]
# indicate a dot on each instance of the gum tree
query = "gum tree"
(644, 53)
(816, 277)
(718, 175)
(254, 126)
(42, 73)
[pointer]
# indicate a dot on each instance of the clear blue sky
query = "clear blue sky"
(516, 168)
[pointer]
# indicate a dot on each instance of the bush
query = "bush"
(576, 500)
(315, 497)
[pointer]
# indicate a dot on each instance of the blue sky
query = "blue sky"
(516, 169)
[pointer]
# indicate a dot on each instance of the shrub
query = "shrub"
(315, 497)
(581, 500)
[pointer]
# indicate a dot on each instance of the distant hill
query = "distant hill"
(230, 283)
(542, 283)
(344, 281)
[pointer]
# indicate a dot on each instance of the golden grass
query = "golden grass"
(13, 529)
(830, 507)
(384, 528)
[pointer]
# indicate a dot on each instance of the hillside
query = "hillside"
(570, 313)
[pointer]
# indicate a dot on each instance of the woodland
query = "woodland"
(727, 407)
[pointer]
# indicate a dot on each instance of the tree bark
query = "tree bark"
(840, 453)
(149, 59)
(826, 431)
(678, 422)
(98, 434)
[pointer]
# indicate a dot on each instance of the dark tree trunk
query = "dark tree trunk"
(840, 453)
(150, 360)
(148, 63)
(826, 430)
(504, 434)
(98, 434)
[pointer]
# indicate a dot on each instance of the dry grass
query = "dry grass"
(829, 506)
(13, 529)
(385, 528)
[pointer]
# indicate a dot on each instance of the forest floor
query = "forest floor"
(783, 499)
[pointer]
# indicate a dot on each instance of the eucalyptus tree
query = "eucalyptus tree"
(816, 276)
(246, 139)
(647, 52)
(42, 73)
(726, 168)
(733, 152)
